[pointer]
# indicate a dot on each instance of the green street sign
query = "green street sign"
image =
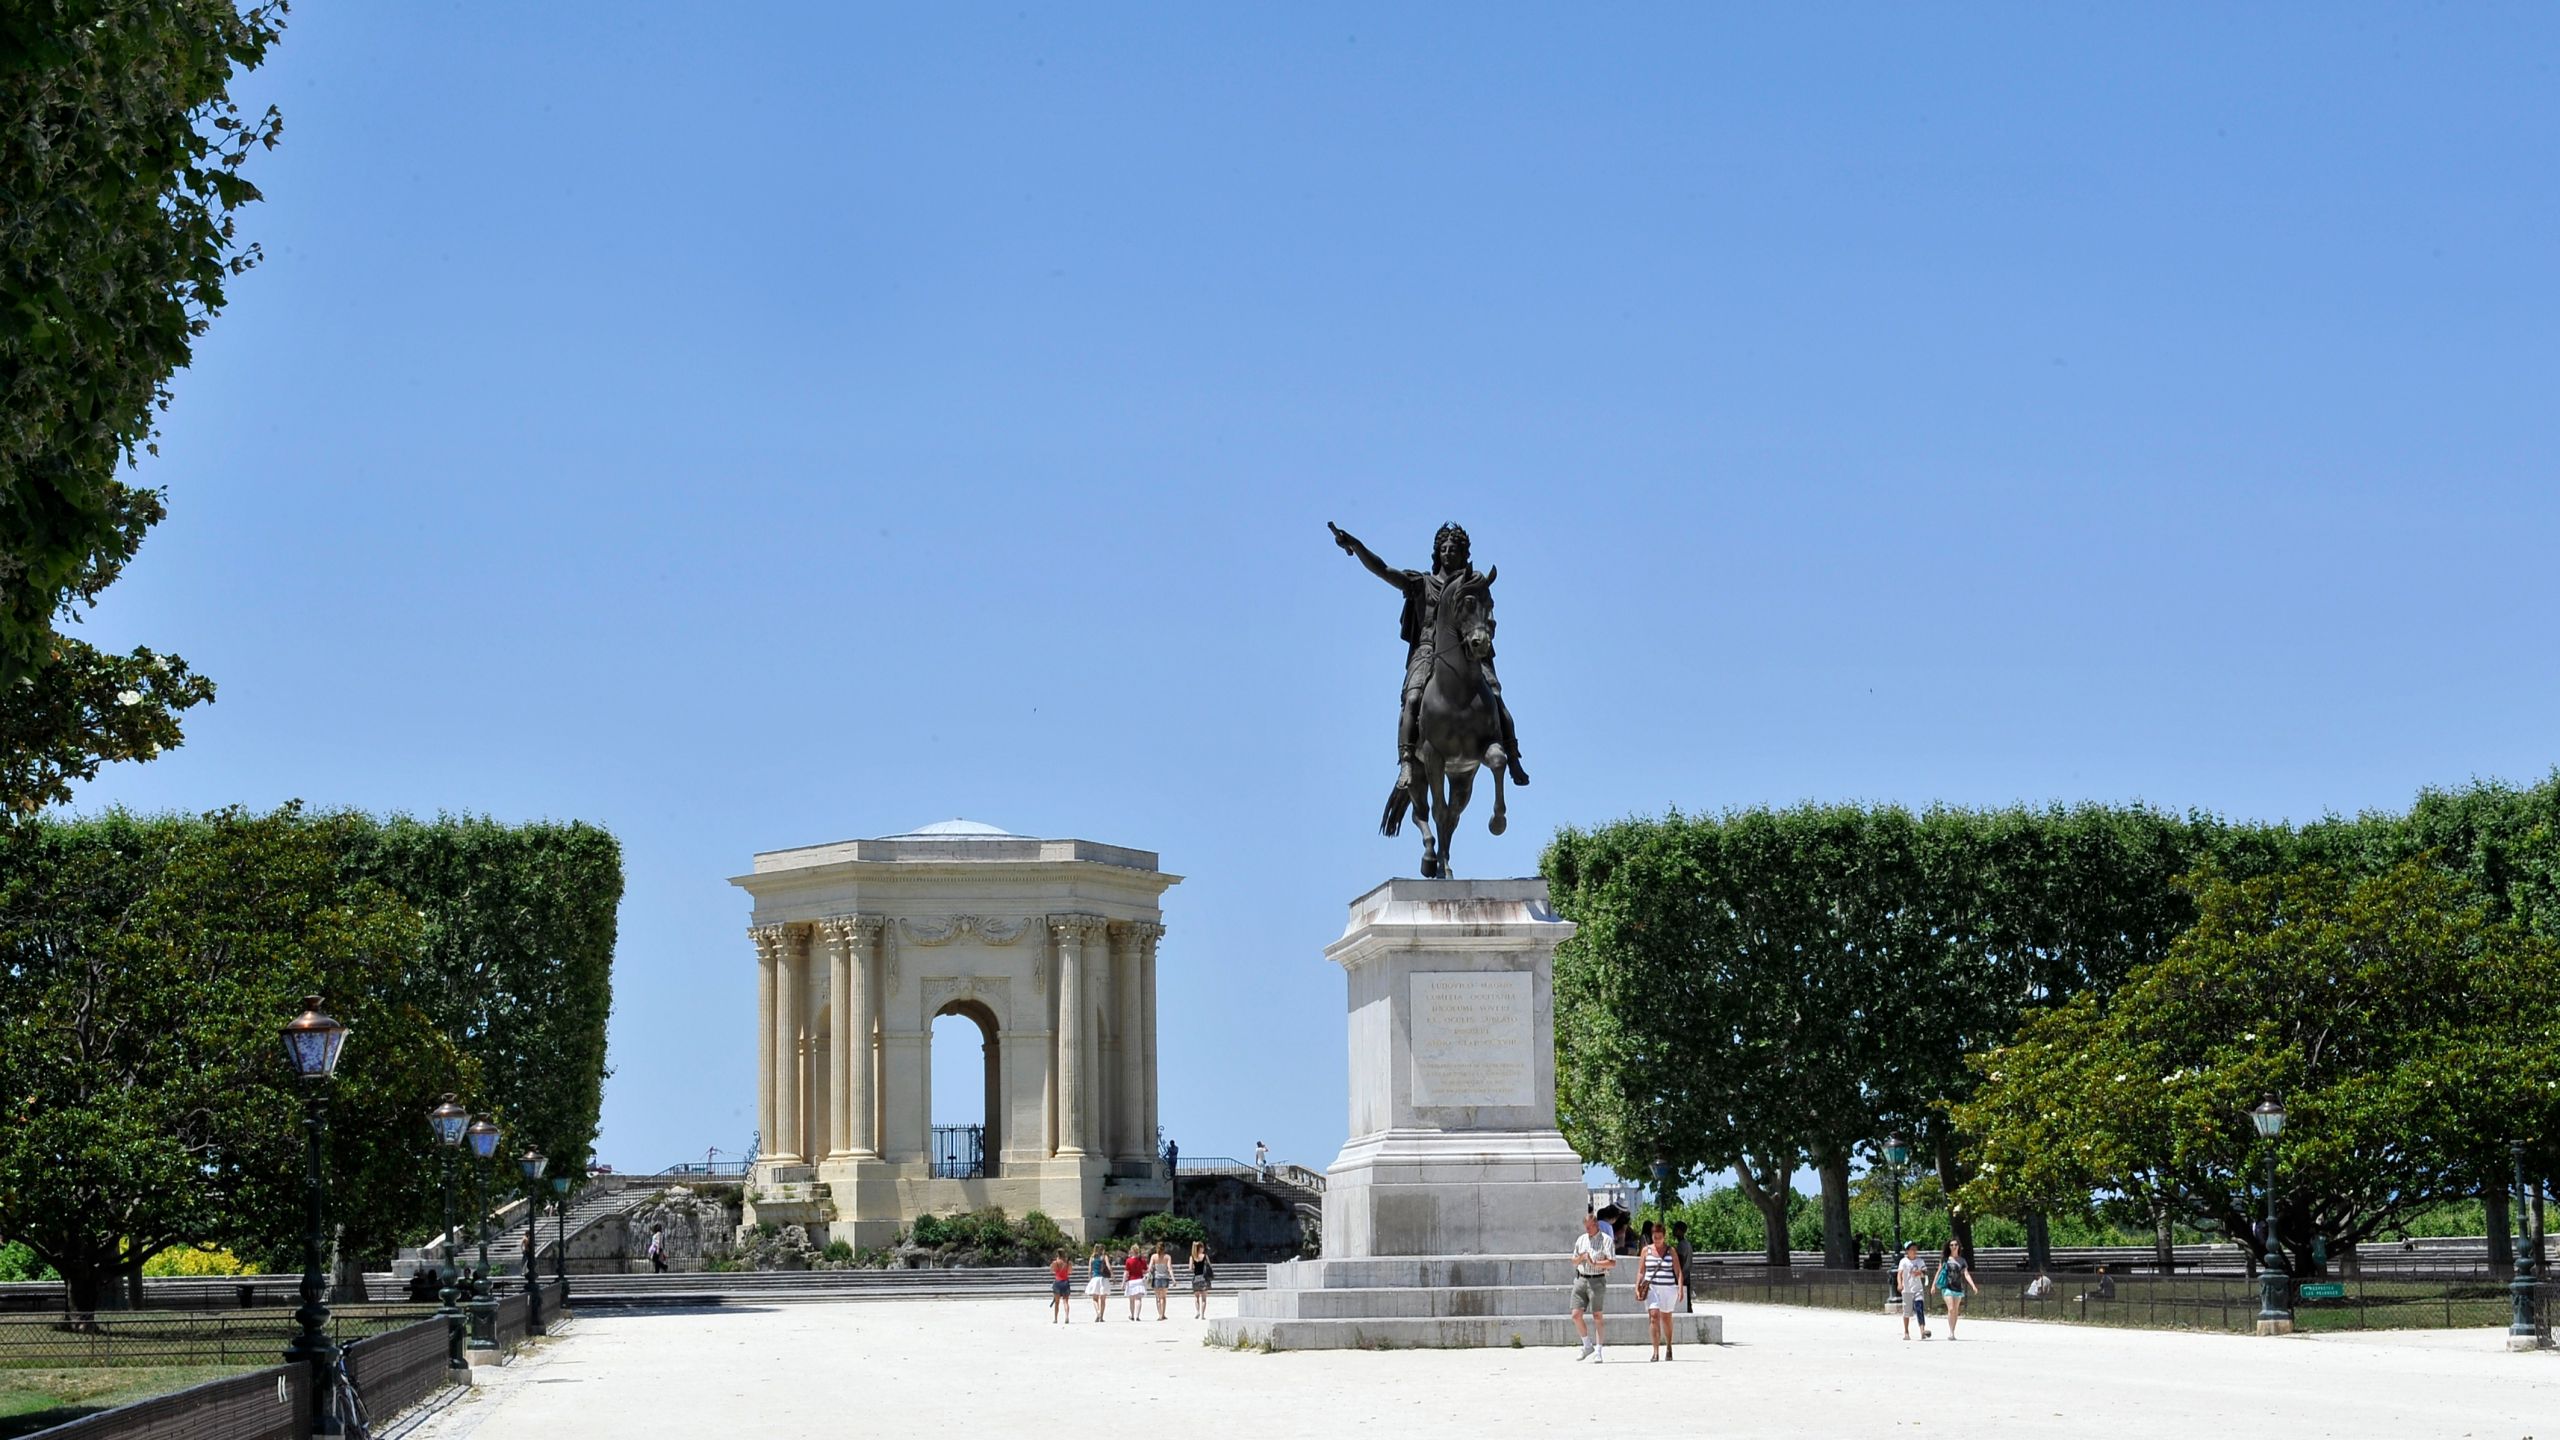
(2325, 1290)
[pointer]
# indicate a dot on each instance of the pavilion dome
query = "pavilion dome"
(956, 829)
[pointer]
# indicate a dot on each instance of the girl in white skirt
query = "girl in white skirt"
(1099, 1287)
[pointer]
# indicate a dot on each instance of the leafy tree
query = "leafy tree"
(146, 968)
(2356, 999)
(121, 155)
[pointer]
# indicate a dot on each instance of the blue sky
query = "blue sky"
(762, 428)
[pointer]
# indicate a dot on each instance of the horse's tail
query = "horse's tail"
(1392, 822)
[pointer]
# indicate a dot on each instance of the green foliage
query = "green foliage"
(515, 961)
(17, 1262)
(2410, 1033)
(146, 965)
(986, 1237)
(839, 1252)
(121, 154)
(1176, 1232)
(145, 969)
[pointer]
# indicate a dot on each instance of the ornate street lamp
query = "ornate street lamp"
(2520, 1332)
(312, 1044)
(560, 1246)
(482, 1135)
(1897, 1153)
(531, 1164)
(447, 1121)
(2275, 1308)
(1662, 1191)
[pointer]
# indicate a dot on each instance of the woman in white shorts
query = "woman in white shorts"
(1664, 1283)
(1135, 1286)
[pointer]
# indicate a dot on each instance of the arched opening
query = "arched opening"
(967, 1088)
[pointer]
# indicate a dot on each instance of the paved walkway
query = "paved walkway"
(997, 1367)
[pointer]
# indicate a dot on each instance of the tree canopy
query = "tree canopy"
(121, 172)
(2410, 1036)
(147, 965)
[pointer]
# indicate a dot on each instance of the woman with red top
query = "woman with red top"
(1060, 1290)
(1135, 1268)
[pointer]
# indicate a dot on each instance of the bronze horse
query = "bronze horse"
(1459, 728)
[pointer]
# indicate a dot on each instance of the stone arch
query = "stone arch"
(991, 1037)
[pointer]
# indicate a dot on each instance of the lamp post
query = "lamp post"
(1662, 1191)
(2275, 1309)
(312, 1044)
(531, 1165)
(483, 1137)
(447, 1121)
(1897, 1153)
(560, 1246)
(2520, 1331)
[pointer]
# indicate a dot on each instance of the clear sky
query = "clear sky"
(755, 426)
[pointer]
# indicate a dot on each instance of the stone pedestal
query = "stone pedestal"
(1454, 1148)
(1450, 1215)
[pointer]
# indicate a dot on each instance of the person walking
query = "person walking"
(1201, 1278)
(1061, 1290)
(1160, 1280)
(1955, 1284)
(1593, 1259)
(1662, 1283)
(1680, 1247)
(1134, 1277)
(1099, 1286)
(657, 1250)
(1911, 1284)
(1261, 1161)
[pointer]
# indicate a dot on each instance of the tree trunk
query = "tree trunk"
(2039, 1242)
(2502, 1234)
(349, 1289)
(1839, 1243)
(1959, 1224)
(133, 1286)
(80, 1286)
(1771, 1201)
(2163, 1251)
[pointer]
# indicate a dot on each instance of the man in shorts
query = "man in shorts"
(1911, 1284)
(1593, 1258)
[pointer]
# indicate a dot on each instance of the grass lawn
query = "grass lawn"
(31, 1400)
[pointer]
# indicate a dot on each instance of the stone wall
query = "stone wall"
(1244, 1221)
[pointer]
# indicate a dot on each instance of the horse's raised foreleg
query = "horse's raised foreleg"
(1500, 821)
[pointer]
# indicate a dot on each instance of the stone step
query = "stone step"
(1434, 1271)
(1626, 1333)
(1417, 1302)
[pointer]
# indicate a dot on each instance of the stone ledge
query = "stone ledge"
(1479, 1333)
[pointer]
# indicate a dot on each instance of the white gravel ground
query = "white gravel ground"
(998, 1368)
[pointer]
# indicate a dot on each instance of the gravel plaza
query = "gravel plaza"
(998, 1366)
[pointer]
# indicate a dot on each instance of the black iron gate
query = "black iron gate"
(959, 1152)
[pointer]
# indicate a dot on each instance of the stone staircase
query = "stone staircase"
(1439, 1302)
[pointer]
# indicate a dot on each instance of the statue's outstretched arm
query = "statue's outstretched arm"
(1352, 547)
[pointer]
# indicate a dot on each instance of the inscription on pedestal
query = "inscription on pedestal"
(1473, 1038)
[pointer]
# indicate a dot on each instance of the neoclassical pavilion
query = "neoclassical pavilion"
(1047, 946)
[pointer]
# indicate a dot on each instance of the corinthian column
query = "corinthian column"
(1148, 934)
(1127, 1085)
(768, 940)
(836, 938)
(791, 1001)
(1068, 931)
(861, 1007)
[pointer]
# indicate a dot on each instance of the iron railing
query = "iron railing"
(2170, 1302)
(959, 1152)
(178, 1337)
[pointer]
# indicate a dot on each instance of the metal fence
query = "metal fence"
(179, 1337)
(398, 1368)
(270, 1404)
(2173, 1302)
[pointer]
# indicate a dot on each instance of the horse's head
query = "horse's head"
(1471, 606)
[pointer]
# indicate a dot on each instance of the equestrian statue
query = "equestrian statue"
(1452, 719)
